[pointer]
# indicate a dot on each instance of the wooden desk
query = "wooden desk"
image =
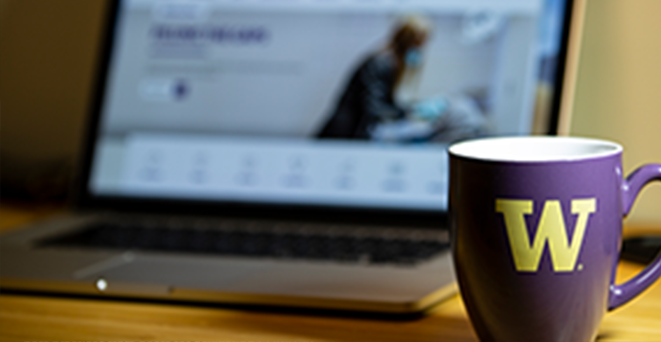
(34, 318)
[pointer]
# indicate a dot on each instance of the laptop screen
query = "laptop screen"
(347, 103)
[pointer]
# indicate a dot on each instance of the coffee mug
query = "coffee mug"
(536, 233)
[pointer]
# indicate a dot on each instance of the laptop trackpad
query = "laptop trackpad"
(158, 274)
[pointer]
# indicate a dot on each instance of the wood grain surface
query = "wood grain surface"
(42, 318)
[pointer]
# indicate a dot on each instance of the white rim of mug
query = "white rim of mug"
(604, 148)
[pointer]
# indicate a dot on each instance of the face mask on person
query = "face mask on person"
(413, 58)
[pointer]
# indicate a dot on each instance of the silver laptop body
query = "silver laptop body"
(210, 176)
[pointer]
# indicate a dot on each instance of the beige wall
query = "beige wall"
(47, 50)
(619, 87)
(47, 53)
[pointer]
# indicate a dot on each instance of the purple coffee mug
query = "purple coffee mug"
(536, 234)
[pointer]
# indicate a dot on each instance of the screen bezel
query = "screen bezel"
(85, 200)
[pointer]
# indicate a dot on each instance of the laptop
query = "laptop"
(291, 153)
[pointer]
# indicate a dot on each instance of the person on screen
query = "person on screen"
(369, 98)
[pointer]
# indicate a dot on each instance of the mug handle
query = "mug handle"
(620, 294)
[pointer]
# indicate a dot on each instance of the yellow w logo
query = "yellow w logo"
(551, 228)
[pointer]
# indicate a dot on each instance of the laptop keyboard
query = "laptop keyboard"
(259, 241)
